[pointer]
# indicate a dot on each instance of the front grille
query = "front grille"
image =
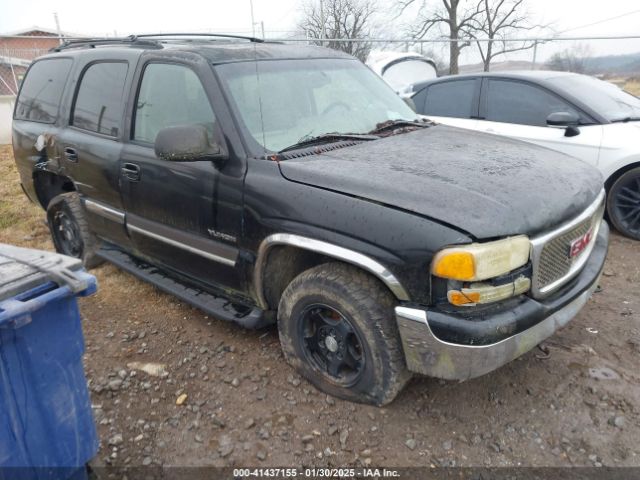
(555, 262)
(553, 265)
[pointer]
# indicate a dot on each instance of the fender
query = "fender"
(328, 249)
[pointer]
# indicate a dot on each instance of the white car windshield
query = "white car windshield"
(282, 102)
(607, 99)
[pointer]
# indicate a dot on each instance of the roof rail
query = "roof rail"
(131, 40)
(212, 35)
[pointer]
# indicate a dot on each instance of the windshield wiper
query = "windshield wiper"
(309, 141)
(626, 120)
(393, 124)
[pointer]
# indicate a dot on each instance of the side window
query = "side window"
(42, 90)
(517, 102)
(170, 95)
(451, 99)
(99, 101)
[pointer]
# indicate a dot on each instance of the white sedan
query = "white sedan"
(576, 114)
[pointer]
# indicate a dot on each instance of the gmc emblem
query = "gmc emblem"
(579, 244)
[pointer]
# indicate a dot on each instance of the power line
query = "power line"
(462, 40)
(601, 21)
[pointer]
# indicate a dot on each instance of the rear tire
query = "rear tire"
(337, 329)
(70, 231)
(623, 204)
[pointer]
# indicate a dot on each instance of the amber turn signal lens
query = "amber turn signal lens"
(459, 265)
(480, 293)
(459, 298)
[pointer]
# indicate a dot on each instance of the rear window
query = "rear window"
(451, 99)
(42, 90)
(98, 105)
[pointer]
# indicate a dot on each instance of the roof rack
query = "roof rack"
(207, 35)
(131, 40)
(148, 40)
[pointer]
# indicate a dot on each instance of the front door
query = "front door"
(172, 208)
(519, 110)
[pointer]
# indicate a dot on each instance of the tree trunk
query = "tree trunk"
(454, 47)
(487, 59)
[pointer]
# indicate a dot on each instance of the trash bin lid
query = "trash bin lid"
(22, 269)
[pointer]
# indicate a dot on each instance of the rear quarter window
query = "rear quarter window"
(99, 102)
(39, 98)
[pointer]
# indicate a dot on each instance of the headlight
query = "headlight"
(482, 261)
(480, 294)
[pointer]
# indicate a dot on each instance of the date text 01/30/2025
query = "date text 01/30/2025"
(315, 473)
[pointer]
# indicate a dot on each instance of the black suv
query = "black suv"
(267, 183)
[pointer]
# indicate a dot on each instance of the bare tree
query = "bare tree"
(341, 20)
(499, 20)
(455, 16)
(574, 59)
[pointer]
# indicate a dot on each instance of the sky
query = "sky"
(123, 17)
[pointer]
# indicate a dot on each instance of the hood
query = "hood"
(483, 185)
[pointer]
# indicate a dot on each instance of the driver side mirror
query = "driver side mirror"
(187, 143)
(567, 120)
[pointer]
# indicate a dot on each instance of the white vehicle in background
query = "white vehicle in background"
(401, 70)
(579, 115)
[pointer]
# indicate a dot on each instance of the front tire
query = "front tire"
(70, 231)
(623, 204)
(337, 329)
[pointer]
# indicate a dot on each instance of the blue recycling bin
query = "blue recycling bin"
(46, 423)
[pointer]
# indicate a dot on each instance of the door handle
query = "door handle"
(71, 154)
(131, 172)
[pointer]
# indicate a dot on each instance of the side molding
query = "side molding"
(340, 253)
(107, 212)
(231, 262)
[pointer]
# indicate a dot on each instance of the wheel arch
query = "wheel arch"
(49, 185)
(619, 172)
(302, 253)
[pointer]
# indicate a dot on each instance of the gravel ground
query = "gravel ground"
(218, 395)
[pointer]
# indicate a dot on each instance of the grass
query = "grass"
(633, 86)
(21, 222)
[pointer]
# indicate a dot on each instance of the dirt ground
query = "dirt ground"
(575, 403)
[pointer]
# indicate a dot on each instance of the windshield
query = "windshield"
(605, 98)
(298, 99)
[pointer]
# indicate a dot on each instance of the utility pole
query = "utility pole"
(55, 17)
(262, 27)
(323, 32)
(253, 22)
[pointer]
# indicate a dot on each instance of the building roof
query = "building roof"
(29, 31)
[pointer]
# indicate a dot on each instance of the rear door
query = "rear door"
(37, 119)
(182, 215)
(90, 145)
(519, 110)
(454, 102)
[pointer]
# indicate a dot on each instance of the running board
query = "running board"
(214, 305)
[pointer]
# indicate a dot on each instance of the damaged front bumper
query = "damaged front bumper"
(427, 354)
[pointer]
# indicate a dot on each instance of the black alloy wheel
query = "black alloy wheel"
(331, 344)
(70, 230)
(66, 234)
(623, 204)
